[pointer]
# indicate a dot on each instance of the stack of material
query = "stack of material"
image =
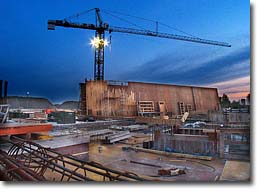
(117, 137)
(98, 132)
(135, 127)
(116, 127)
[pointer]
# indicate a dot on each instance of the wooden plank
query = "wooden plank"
(208, 158)
(162, 107)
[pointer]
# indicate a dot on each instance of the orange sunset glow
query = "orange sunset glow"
(236, 89)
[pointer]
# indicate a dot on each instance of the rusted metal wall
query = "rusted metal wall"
(105, 99)
(184, 143)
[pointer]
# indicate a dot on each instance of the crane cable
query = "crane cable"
(125, 20)
(109, 12)
(78, 14)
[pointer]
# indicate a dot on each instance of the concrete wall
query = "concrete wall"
(103, 98)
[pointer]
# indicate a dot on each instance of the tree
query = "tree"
(225, 102)
(235, 104)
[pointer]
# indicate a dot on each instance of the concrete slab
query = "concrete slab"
(236, 171)
(64, 141)
(113, 157)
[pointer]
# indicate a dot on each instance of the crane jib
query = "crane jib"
(101, 27)
(166, 35)
(62, 23)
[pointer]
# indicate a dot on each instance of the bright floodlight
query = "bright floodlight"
(98, 42)
(105, 43)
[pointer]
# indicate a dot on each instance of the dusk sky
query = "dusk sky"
(52, 63)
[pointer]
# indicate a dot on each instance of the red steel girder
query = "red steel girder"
(16, 129)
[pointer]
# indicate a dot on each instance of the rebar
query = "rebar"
(43, 161)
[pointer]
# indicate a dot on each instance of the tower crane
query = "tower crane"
(99, 41)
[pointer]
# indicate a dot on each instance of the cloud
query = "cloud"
(240, 82)
(235, 89)
(193, 71)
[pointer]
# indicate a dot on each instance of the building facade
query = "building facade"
(114, 98)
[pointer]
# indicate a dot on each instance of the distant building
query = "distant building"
(243, 102)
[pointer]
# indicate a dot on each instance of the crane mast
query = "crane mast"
(100, 29)
(99, 56)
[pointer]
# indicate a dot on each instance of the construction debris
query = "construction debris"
(184, 117)
(171, 172)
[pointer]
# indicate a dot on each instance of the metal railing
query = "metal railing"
(4, 109)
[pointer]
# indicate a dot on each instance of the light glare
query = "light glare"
(97, 42)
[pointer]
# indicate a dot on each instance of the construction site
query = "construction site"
(124, 130)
